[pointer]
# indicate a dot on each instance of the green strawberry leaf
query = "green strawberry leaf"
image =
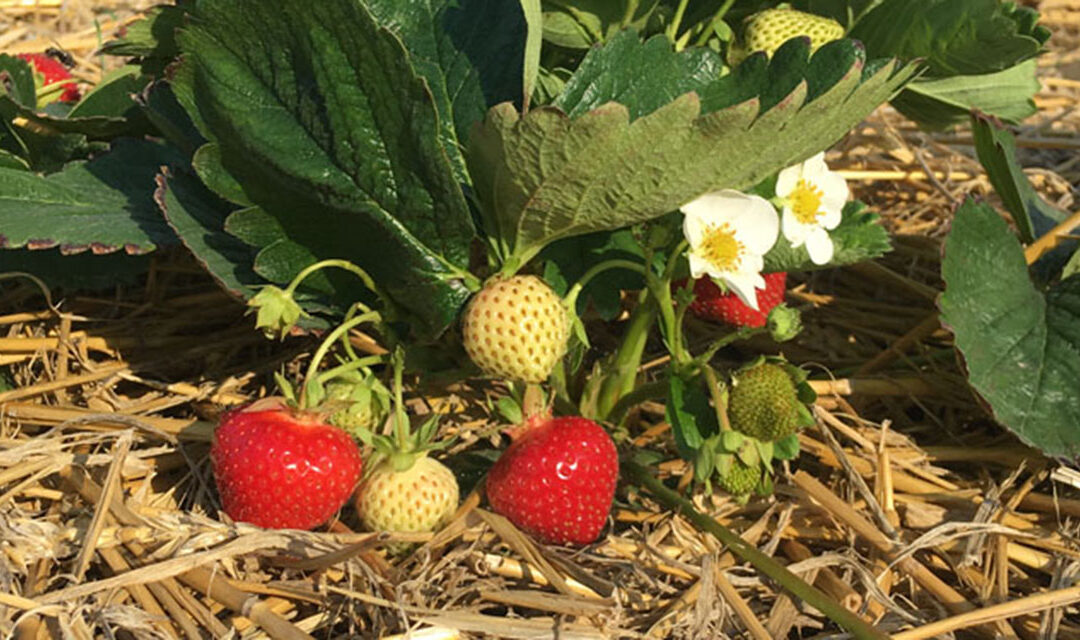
(544, 176)
(113, 97)
(938, 103)
(953, 37)
(1021, 346)
(17, 82)
(154, 36)
(858, 237)
(198, 218)
(996, 149)
(688, 412)
(471, 53)
(612, 73)
(211, 170)
(582, 23)
(321, 117)
(104, 205)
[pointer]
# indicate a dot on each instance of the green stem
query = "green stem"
(345, 342)
(676, 21)
(628, 14)
(340, 264)
(661, 291)
(352, 365)
(324, 348)
(763, 563)
(642, 393)
(741, 333)
(627, 357)
(400, 419)
(571, 296)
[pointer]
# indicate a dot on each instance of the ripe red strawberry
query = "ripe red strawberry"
(281, 468)
(712, 304)
(557, 480)
(51, 71)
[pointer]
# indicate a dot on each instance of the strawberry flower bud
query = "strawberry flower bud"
(784, 323)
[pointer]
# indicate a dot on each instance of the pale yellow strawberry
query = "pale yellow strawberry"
(516, 329)
(418, 499)
(768, 29)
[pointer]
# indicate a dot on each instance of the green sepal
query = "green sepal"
(731, 441)
(276, 311)
(786, 448)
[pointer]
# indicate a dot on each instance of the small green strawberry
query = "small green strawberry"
(740, 479)
(764, 403)
(358, 402)
(421, 497)
(516, 329)
(768, 29)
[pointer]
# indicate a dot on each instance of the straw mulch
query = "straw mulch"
(908, 505)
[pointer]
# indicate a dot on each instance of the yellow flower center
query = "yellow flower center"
(805, 202)
(720, 247)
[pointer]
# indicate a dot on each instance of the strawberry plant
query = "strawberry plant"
(476, 178)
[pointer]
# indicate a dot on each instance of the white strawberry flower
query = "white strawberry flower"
(813, 200)
(729, 232)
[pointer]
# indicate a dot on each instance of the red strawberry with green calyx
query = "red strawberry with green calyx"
(282, 468)
(713, 304)
(557, 479)
(50, 71)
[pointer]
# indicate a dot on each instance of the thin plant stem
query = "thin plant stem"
(628, 14)
(351, 365)
(676, 21)
(763, 563)
(340, 264)
(571, 296)
(324, 348)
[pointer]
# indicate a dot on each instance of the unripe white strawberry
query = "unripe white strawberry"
(516, 329)
(420, 498)
(768, 29)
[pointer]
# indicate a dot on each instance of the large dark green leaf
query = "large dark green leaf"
(954, 37)
(470, 52)
(198, 218)
(937, 103)
(614, 73)
(1021, 347)
(104, 205)
(323, 121)
(545, 176)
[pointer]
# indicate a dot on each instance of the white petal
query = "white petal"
(819, 245)
(693, 228)
(698, 265)
(833, 187)
(795, 231)
(752, 263)
(757, 225)
(716, 207)
(814, 167)
(744, 285)
(787, 179)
